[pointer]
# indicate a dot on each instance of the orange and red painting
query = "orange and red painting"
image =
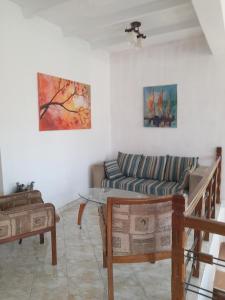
(63, 104)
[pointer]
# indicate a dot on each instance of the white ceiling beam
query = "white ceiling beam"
(117, 39)
(124, 16)
(34, 7)
(149, 31)
(211, 18)
(195, 32)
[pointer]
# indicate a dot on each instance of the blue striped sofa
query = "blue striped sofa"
(157, 175)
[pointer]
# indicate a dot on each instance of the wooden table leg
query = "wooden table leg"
(80, 213)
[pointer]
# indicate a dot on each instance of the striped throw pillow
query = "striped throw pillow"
(129, 163)
(152, 167)
(112, 169)
(175, 166)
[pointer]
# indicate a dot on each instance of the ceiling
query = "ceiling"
(102, 22)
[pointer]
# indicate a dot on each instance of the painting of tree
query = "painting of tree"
(63, 104)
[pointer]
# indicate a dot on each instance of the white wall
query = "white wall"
(1, 178)
(201, 99)
(58, 161)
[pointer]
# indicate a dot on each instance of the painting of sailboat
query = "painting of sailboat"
(160, 106)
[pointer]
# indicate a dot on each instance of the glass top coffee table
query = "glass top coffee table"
(100, 195)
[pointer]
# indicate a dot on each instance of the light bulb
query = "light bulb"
(139, 43)
(132, 37)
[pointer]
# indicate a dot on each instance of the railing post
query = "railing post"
(214, 189)
(197, 238)
(218, 155)
(209, 206)
(178, 241)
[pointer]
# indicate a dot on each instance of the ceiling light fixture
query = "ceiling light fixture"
(134, 34)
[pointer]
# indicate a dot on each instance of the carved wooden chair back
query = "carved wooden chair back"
(138, 230)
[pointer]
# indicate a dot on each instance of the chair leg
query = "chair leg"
(152, 261)
(110, 280)
(42, 238)
(54, 250)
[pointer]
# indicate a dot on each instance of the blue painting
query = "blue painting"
(160, 106)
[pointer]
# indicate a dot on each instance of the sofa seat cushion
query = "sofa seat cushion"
(152, 167)
(159, 188)
(176, 165)
(129, 163)
(144, 186)
(125, 183)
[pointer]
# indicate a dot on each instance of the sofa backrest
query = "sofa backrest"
(129, 163)
(152, 167)
(162, 168)
(176, 165)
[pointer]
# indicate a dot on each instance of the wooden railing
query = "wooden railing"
(198, 217)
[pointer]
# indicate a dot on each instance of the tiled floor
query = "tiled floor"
(26, 271)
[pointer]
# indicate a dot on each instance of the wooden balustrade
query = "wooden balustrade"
(198, 216)
(219, 158)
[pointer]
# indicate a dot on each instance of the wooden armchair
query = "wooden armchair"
(135, 230)
(25, 214)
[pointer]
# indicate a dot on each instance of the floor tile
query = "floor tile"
(90, 288)
(49, 288)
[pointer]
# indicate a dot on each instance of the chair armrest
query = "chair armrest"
(26, 219)
(17, 199)
(97, 175)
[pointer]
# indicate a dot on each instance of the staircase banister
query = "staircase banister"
(200, 189)
(207, 225)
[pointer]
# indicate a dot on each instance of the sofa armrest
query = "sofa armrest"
(196, 176)
(26, 219)
(97, 175)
